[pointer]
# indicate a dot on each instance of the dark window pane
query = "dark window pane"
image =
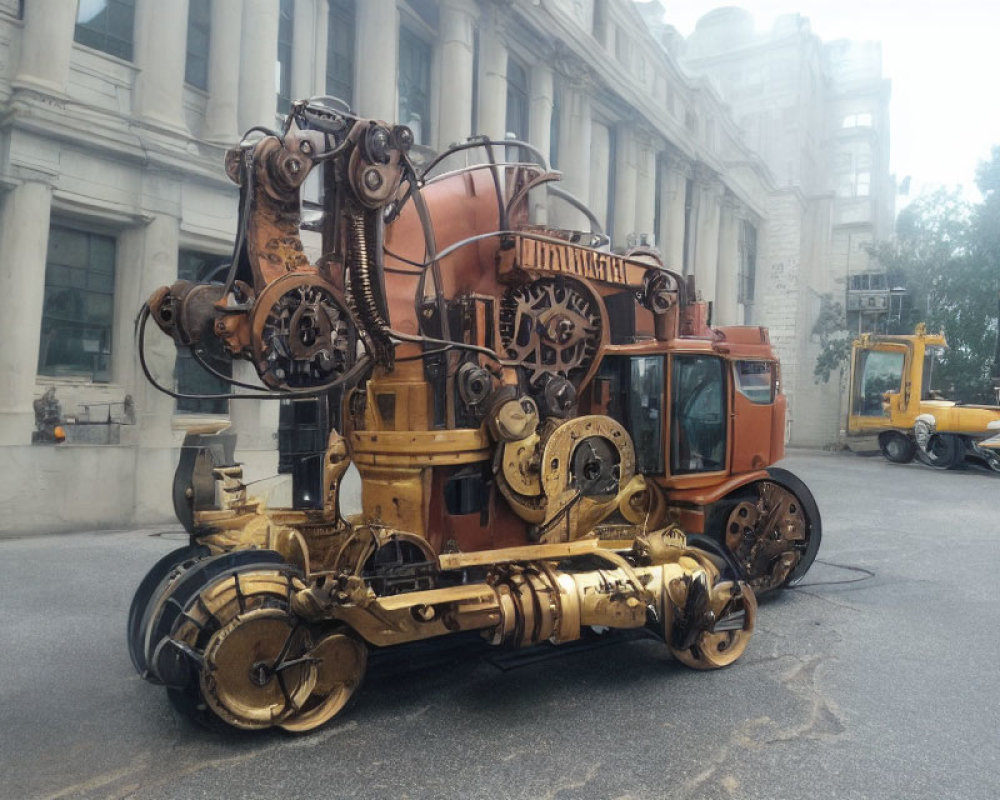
(877, 372)
(285, 34)
(635, 399)
(68, 249)
(198, 40)
(697, 415)
(340, 50)
(415, 85)
(120, 16)
(78, 314)
(192, 378)
(102, 254)
(517, 100)
(106, 25)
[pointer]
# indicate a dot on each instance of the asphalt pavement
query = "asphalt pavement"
(875, 679)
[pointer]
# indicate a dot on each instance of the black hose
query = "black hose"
(348, 378)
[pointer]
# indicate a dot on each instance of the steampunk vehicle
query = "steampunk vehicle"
(892, 395)
(550, 437)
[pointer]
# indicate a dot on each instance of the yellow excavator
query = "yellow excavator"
(892, 396)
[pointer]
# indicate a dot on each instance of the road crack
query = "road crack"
(822, 721)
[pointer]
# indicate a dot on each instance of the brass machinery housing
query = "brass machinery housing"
(455, 347)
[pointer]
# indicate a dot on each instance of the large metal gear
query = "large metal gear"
(551, 327)
(300, 333)
(766, 532)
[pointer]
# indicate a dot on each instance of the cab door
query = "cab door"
(758, 424)
(878, 375)
(699, 418)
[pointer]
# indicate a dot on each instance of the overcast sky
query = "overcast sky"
(944, 63)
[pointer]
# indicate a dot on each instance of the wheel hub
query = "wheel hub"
(766, 535)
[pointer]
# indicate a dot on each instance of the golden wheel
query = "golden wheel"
(257, 669)
(340, 661)
(715, 632)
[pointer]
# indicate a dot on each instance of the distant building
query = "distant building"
(117, 115)
(818, 114)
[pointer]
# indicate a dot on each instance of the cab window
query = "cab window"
(697, 415)
(635, 386)
(755, 381)
(877, 372)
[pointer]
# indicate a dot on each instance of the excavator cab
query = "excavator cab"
(880, 383)
(892, 396)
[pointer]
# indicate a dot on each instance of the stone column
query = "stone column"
(493, 87)
(154, 246)
(258, 84)
(540, 130)
(706, 245)
(455, 54)
(600, 173)
(221, 120)
(673, 201)
(46, 46)
(378, 58)
(645, 191)
(540, 118)
(160, 51)
(625, 184)
(24, 236)
(727, 285)
(575, 141)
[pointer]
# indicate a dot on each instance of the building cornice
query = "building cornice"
(108, 135)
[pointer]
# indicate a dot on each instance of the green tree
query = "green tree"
(947, 253)
(987, 224)
(834, 338)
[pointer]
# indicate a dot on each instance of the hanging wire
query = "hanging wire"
(866, 574)
(351, 376)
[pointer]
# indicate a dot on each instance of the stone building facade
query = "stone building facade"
(117, 114)
(818, 115)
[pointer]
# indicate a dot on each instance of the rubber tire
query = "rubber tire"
(945, 450)
(897, 447)
(814, 523)
(158, 618)
(717, 516)
(144, 594)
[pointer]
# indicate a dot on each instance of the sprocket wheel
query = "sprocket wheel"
(551, 327)
(300, 332)
(767, 534)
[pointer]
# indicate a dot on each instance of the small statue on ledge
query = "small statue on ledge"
(48, 419)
